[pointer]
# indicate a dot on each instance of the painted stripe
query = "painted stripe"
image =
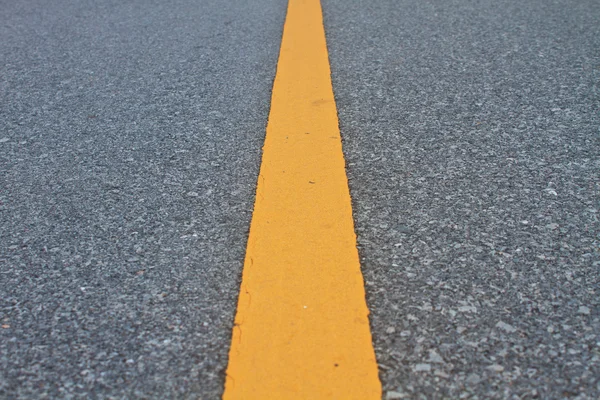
(302, 329)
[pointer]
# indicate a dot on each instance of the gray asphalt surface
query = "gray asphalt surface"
(130, 136)
(471, 132)
(129, 149)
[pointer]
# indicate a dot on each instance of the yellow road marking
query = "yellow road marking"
(302, 329)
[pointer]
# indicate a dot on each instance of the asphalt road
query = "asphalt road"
(131, 136)
(471, 133)
(130, 142)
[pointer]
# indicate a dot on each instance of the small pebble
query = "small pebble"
(434, 357)
(584, 310)
(496, 368)
(422, 368)
(506, 327)
(473, 379)
(441, 374)
(391, 395)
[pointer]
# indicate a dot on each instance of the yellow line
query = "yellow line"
(302, 329)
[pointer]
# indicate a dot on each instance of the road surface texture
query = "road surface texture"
(471, 133)
(130, 144)
(131, 135)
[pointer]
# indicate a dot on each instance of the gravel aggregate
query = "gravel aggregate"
(471, 134)
(130, 137)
